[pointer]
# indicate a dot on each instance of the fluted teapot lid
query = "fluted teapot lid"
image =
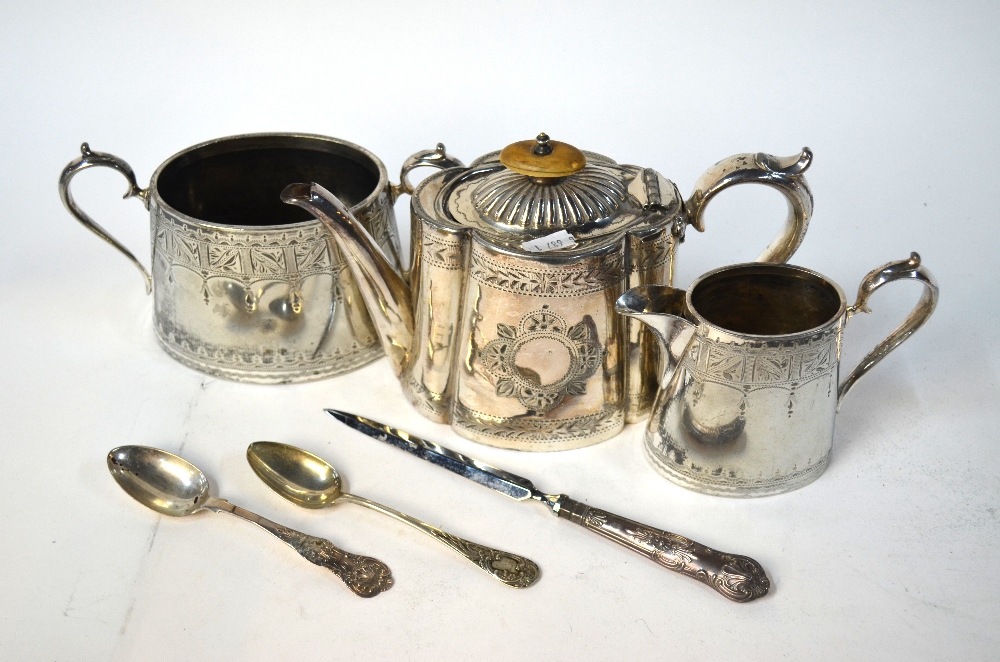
(543, 196)
(545, 185)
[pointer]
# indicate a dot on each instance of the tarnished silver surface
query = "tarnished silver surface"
(311, 482)
(522, 349)
(244, 287)
(749, 393)
(171, 485)
(737, 577)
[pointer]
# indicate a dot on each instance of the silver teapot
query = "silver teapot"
(505, 326)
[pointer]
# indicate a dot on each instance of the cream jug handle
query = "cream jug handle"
(784, 174)
(86, 160)
(910, 269)
(435, 158)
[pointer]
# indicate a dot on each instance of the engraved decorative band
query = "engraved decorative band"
(261, 254)
(190, 349)
(748, 364)
(595, 276)
(664, 458)
(652, 255)
(441, 253)
(539, 430)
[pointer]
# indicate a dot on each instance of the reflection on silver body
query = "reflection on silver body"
(750, 392)
(242, 289)
(311, 482)
(737, 577)
(172, 486)
(522, 349)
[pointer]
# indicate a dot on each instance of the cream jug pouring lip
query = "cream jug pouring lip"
(655, 305)
(664, 310)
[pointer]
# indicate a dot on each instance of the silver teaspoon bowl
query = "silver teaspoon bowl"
(173, 486)
(159, 480)
(311, 482)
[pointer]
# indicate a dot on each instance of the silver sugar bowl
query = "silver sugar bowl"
(245, 287)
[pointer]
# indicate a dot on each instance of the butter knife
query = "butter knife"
(737, 577)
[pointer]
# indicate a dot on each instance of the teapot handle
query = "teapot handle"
(784, 174)
(899, 270)
(435, 158)
(89, 159)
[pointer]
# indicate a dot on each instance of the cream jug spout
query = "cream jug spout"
(385, 293)
(664, 312)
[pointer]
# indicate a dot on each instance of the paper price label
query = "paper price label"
(551, 242)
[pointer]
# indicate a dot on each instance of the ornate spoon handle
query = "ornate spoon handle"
(739, 578)
(511, 569)
(364, 575)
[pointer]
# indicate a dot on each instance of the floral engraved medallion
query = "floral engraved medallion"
(542, 337)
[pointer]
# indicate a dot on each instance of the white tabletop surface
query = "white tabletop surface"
(890, 555)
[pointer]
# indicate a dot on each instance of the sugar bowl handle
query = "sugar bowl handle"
(784, 174)
(435, 158)
(910, 269)
(737, 577)
(88, 159)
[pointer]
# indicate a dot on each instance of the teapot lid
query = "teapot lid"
(545, 186)
(543, 158)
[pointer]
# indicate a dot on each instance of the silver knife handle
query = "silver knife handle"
(737, 577)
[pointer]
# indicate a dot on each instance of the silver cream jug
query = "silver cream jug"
(751, 355)
(505, 327)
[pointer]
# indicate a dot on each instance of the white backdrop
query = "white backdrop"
(891, 554)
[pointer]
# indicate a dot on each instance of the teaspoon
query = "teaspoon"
(311, 482)
(173, 486)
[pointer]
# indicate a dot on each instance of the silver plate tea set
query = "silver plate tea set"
(537, 314)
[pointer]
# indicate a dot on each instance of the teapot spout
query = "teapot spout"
(385, 293)
(664, 312)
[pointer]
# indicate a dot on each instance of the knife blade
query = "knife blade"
(737, 577)
(505, 483)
